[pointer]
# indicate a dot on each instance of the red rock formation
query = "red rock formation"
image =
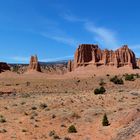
(4, 67)
(125, 56)
(70, 66)
(84, 54)
(138, 63)
(34, 64)
(91, 54)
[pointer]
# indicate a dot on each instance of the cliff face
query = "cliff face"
(87, 54)
(34, 64)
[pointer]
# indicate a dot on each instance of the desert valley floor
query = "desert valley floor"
(37, 106)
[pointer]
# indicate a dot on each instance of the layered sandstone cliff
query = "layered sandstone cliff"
(87, 54)
(34, 64)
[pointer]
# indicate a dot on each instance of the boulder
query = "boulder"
(34, 64)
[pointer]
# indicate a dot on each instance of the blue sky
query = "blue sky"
(52, 29)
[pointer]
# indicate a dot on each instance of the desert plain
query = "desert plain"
(38, 106)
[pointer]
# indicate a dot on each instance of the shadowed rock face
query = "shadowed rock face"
(87, 54)
(4, 67)
(34, 64)
(70, 66)
(138, 63)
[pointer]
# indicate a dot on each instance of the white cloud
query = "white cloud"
(103, 36)
(72, 18)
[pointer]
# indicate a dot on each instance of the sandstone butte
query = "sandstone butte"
(90, 54)
(34, 64)
(4, 67)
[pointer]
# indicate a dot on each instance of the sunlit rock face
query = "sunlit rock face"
(34, 64)
(88, 54)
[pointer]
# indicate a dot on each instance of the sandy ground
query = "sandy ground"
(34, 105)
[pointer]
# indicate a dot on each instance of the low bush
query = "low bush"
(117, 80)
(72, 129)
(105, 121)
(100, 90)
(129, 77)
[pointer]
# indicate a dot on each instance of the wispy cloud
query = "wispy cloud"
(103, 36)
(72, 18)
(61, 38)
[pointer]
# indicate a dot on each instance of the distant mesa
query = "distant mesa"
(91, 54)
(4, 67)
(34, 64)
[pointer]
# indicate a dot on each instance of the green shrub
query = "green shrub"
(129, 77)
(100, 90)
(97, 91)
(72, 129)
(105, 121)
(117, 80)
